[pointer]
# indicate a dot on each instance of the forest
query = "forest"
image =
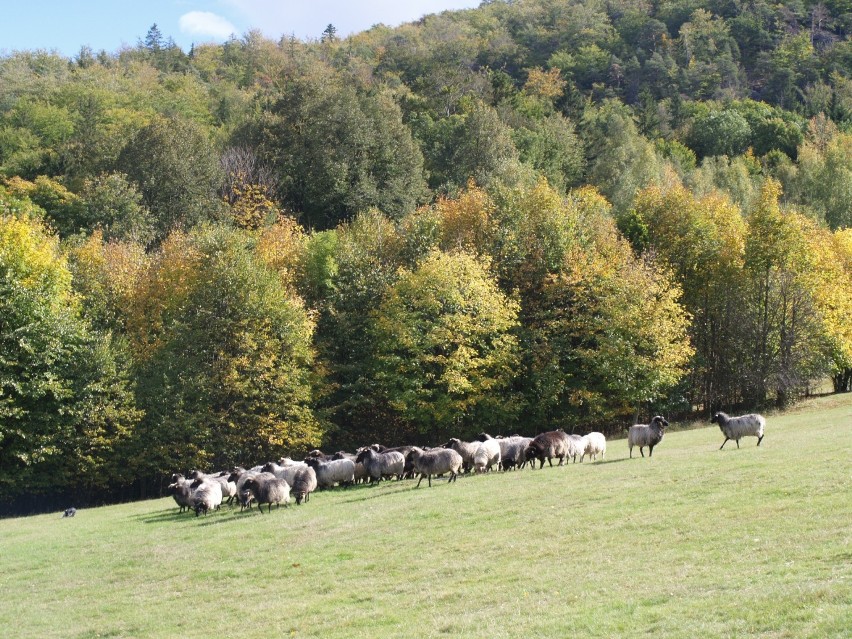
(534, 214)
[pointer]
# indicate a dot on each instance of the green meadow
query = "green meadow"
(693, 542)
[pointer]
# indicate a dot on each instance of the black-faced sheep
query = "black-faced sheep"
(649, 435)
(547, 446)
(736, 428)
(595, 444)
(268, 489)
(304, 483)
(435, 461)
(381, 465)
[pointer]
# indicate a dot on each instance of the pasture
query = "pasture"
(693, 542)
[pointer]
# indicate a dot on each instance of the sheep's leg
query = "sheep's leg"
(738, 443)
(421, 479)
(641, 452)
(723, 443)
(650, 451)
(759, 439)
(430, 479)
(631, 452)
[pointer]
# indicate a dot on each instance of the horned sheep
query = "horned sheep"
(736, 428)
(649, 435)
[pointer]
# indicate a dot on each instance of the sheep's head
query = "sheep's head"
(452, 443)
(313, 462)
(716, 419)
(534, 450)
(267, 468)
(660, 421)
(483, 437)
(365, 454)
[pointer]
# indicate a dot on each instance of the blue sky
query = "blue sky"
(110, 24)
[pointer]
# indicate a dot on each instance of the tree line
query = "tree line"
(256, 248)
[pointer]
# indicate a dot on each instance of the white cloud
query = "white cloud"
(204, 23)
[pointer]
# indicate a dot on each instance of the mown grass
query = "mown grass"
(693, 542)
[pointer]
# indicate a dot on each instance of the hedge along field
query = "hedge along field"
(692, 542)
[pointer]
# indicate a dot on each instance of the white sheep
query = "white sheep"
(736, 428)
(486, 455)
(595, 444)
(649, 435)
(206, 495)
(329, 473)
(576, 446)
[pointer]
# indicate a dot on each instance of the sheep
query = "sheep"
(181, 491)
(335, 471)
(379, 465)
(304, 483)
(649, 435)
(513, 451)
(239, 476)
(285, 472)
(576, 446)
(435, 462)
(594, 445)
(360, 472)
(268, 489)
(465, 449)
(735, 428)
(548, 445)
(206, 495)
(486, 455)
(229, 490)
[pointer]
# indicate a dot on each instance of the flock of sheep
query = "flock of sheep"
(277, 483)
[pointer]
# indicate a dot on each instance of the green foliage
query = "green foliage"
(65, 400)
(337, 152)
(445, 355)
(173, 166)
(228, 378)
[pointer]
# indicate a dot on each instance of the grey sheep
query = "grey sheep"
(304, 483)
(381, 465)
(649, 435)
(594, 445)
(335, 471)
(268, 489)
(736, 428)
(239, 476)
(435, 461)
(286, 472)
(206, 495)
(181, 491)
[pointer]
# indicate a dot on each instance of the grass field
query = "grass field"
(693, 542)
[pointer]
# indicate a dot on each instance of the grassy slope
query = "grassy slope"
(692, 542)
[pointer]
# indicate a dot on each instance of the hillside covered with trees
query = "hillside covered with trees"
(529, 215)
